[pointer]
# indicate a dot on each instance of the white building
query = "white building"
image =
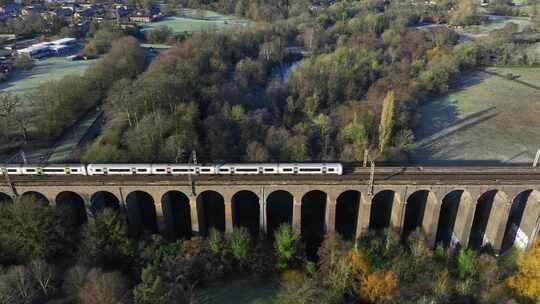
(58, 47)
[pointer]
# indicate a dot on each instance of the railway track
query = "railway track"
(360, 175)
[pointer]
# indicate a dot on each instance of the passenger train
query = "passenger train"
(176, 169)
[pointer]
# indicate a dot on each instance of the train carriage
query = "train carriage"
(47, 170)
(172, 169)
(248, 169)
(178, 169)
(12, 170)
(119, 169)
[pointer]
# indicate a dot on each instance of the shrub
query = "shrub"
(295, 291)
(104, 288)
(379, 286)
(33, 283)
(74, 280)
(31, 230)
(196, 263)
(465, 264)
(215, 241)
(286, 246)
(238, 244)
(105, 242)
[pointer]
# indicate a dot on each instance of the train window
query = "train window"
(330, 169)
(160, 170)
(181, 170)
(310, 169)
(287, 170)
(119, 170)
(224, 170)
(269, 169)
(98, 170)
(31, 170)
(142, 170)
(12, 170)
(205, 170)
(49, 170)
(246, 170)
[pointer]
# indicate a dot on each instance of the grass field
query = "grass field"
(496, 23)
(52, 68)
(190, 22)
(489, 118)
(25, 82)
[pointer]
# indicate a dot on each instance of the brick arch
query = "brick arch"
(314, 209)
(72, 205)
(4, 198)
(103, 199)
(246, 208)
(455, 218)
(279, 209)
(347, 213)
(422, 211)
(489, 223)
(176, 214)
(211, 211)
(141, 211)
(386, 210)
(38, 196)
(522, 221)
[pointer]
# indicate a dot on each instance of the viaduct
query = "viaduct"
(469, 206)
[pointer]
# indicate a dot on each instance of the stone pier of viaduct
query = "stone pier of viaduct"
(470, 210)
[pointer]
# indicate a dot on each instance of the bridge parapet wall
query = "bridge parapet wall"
(493, 231)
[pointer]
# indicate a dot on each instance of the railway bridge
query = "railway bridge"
(469, 206)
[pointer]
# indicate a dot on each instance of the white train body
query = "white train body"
(46, 169)
(177, 169)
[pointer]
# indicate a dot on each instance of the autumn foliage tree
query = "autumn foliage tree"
(378, 287)
(526, 282)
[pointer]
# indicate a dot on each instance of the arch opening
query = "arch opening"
(484, 206)
(414, 211)
(246, 211)
(381, 210)
(210, 212)
(176, 215)
(141, 213)
(103, 199)
(4, 198)
(514, 233)
(279, 210)
(35, 196)
(313, 221)
(71, 207)
(447, 218)
(347, 206)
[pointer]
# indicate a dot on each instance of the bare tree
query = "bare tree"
(387, 121)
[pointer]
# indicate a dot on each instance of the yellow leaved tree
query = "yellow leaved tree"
(379, 286)
(526, 282)
(374, 286)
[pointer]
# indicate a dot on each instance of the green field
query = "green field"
(496, 24)
(25, 82)
(489, 118)
(190, 21)
(52, 68)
